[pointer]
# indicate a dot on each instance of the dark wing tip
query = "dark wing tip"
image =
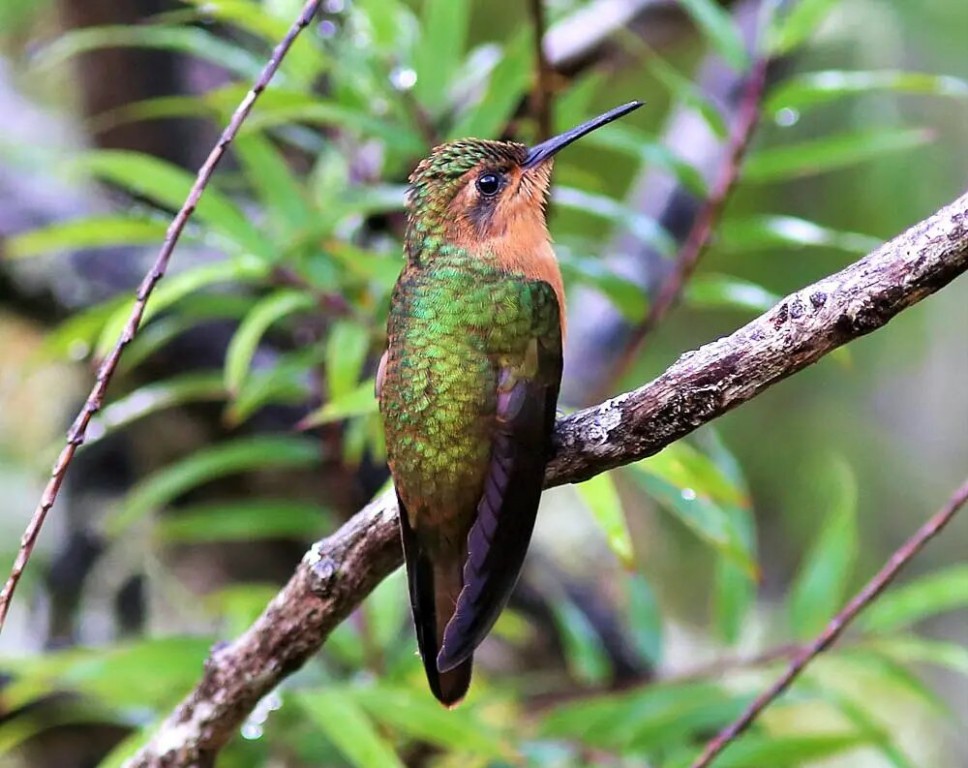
(450, 687)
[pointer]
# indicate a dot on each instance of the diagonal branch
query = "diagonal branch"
(341, 570)
(76, 434)
(837, 625)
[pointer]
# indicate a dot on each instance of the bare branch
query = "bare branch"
(75, 436)
(837, 624)
(340, 571)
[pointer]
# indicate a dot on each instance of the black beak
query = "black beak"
(541, 152)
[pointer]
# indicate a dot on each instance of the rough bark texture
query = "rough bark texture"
(340, 571)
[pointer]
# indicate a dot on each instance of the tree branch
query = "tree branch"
(341, 570)
(837, 625)
(75, 435)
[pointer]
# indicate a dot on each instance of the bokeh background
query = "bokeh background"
(199, 494)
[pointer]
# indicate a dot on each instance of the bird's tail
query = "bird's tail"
(435, 584)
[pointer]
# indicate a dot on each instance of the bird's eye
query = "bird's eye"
(488, 184)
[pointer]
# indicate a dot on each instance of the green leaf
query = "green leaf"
(280, 107)
(164, 669)
(346, 351)
(282, 196)
(859, 669)
(820, 586)
(415, 714)
(181, 39)
(175, 288)
(734, 592)
(265, 313)
(644, 618)
(944, 590)
(812, 88)
(651, 153)
(718, 26)
(879, 737)
(711, 291)
(192, 310)
(788, 751)
(912, 649)
(358, 402)
(686, 467)
(169, 185)
(507, 85)
(154, 397)
(796, 26)
(242, 520)
(769, 232)
(444, 25)
(627, 297)
(285, 381)
(582, 646)
(347, 726)
(600, 496)
(689, 488)
(830, 153)
(684, 90)
(87, 232)
(259, 452)
(386, 613)
(305, 60)
(645, 228)
(656, 716)
(76, 336)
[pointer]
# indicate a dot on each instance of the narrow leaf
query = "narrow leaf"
(260, 452)
(582, 646)
(444, 26)
(600, 496)
(415, 714)
(770, 232)
(242, 520)
(800, 23)
(721, 30)
(843, 150)
(176, 288)
(346, 351)
(246, 339)
(788, 751)
(182, 39)
(820, 586)
(357, 402)
(711, 291)
(644, 618)
(944, 590)
(168, 185)
(347, 726)
(507, 85)
(153, 398)
(812, 88)
(87, 232)
(282, 196)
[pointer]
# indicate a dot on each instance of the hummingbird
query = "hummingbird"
(468, 385)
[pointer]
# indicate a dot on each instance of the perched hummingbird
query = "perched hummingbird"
(468, 386)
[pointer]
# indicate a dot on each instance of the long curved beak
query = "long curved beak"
(541, 152)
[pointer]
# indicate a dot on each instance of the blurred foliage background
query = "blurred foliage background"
(658, 599)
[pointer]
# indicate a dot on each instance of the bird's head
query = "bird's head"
(470, 191)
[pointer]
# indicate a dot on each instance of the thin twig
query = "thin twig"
(747, 118)
(76, 434)
(838, 624)
(541, 104)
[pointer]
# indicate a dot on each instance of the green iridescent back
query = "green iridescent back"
(453, 323)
